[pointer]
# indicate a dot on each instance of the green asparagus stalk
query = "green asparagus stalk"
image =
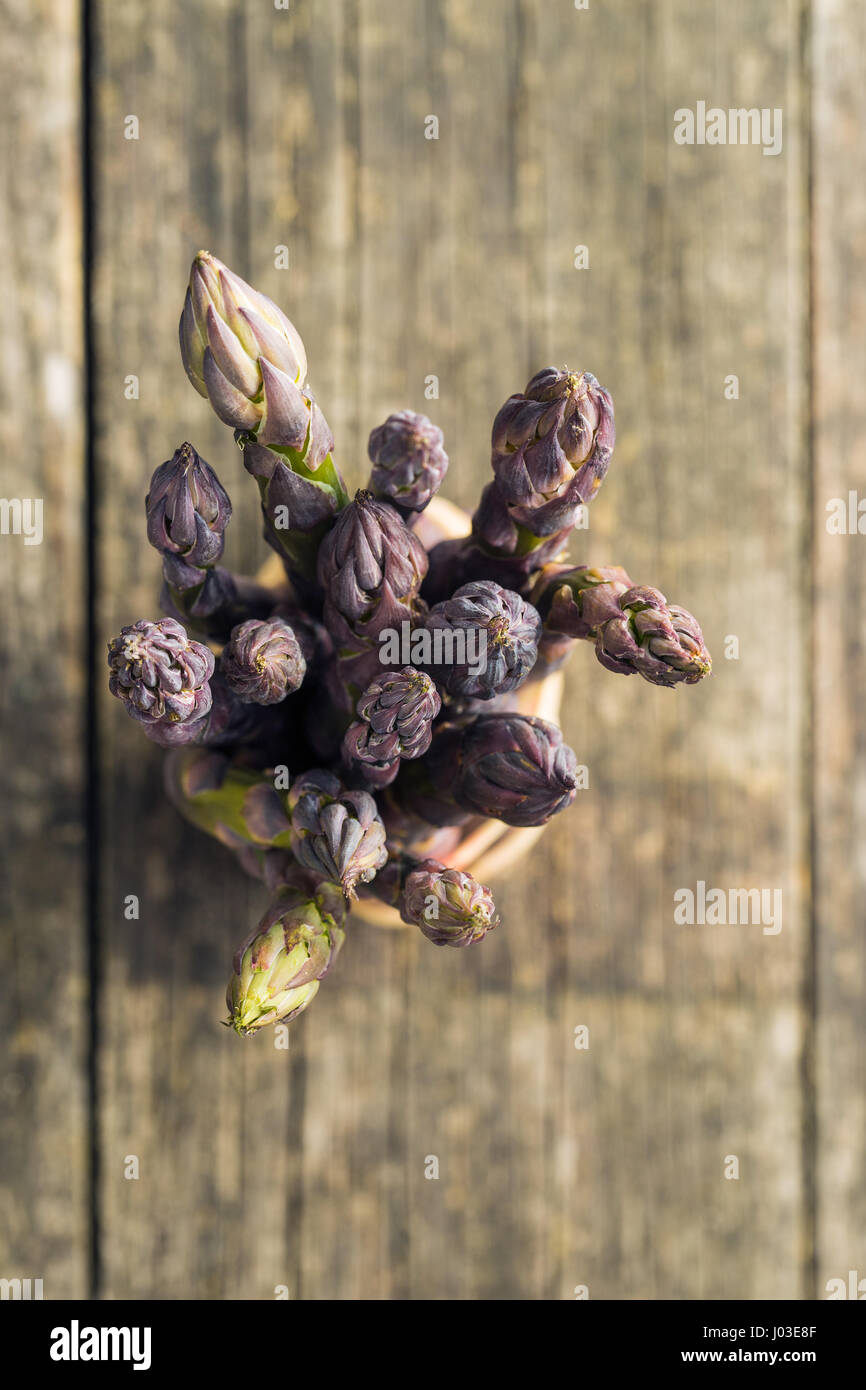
(235, 806)
(300, 499)
(277, 970)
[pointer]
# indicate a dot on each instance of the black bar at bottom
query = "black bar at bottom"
(255, 1341)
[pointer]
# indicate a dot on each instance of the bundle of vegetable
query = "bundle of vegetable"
(382, 675)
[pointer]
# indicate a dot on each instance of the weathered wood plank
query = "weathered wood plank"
(695, 271)
(839, 659)
(177, 1092)
(412, 258)
(44, 1224)
(510, 1127)
(438, 282)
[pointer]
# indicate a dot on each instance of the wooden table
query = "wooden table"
(412, 258)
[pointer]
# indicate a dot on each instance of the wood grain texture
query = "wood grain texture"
(839, 662)
(695, 272)
(43, 1092)
(174, 1091)
(438, 274)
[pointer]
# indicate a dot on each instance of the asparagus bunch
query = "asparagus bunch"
(386, 677)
